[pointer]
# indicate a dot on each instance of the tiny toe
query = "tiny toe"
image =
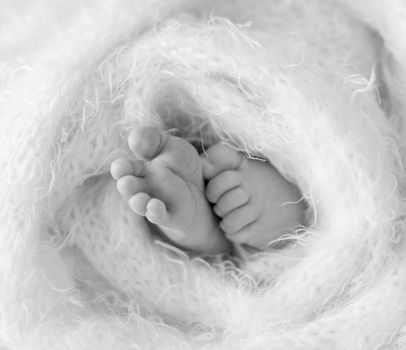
(231, 200)
(138, 203)
(146, 142)
(128, 185)
(156, 212)
(121, 167)
(237, 219)
(221, 184)
(219, 158)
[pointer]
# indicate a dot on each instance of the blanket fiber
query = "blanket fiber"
(317, 87)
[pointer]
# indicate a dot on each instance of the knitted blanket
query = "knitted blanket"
(317, 87)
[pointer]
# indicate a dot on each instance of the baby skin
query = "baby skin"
(203, 203)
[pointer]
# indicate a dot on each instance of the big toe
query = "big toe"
(219, 158)
(146, 142)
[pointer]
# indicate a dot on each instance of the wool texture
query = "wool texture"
(317, 87)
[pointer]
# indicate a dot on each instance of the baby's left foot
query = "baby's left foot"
(165, 185)
(257, 204)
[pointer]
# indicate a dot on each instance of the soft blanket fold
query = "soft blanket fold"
(317, 88)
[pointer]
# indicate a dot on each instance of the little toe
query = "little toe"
(231, 200)
(219, 158)
(121, 167)
(156, 212)
(138, 203)
(146, 142)
(237, 219)
(129, 185)
(222, 183)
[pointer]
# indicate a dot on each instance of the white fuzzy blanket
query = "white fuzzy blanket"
(316, 86)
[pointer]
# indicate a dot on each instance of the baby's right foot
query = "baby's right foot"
(165, 184)
(257, 205)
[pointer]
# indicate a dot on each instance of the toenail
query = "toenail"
(150, 143)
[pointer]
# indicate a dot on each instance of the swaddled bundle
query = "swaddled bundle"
(80, 270)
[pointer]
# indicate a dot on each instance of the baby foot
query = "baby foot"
(165, 184)
(256, 204)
